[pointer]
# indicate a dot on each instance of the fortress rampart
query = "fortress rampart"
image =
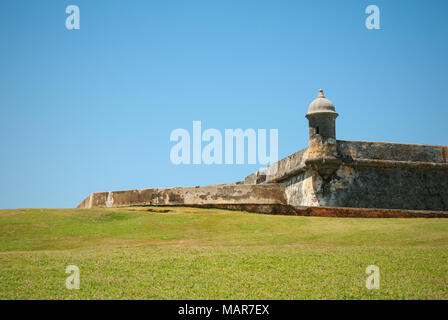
(367, 175)
(235, 194)
(386, 177)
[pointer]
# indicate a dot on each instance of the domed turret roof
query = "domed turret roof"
(321, 105)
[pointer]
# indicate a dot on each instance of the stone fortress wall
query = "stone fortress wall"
(370, 175)
(224, 194)
(328, 173)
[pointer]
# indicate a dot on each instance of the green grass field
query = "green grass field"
(188, 253)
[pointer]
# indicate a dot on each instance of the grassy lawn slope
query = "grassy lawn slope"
(188, 253)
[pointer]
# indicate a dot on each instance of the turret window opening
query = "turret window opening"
(317, 130)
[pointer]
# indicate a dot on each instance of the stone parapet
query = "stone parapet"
(205, 195)
(392, 151)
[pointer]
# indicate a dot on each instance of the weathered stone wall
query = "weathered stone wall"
(215, 194)
(392, 151)
(377, 175)
(354, 150)
(370, 187)
(280, 170)
(301, 189)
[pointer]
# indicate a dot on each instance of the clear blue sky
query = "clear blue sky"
(92, 110)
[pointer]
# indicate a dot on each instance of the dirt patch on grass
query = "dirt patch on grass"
(159, 210)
